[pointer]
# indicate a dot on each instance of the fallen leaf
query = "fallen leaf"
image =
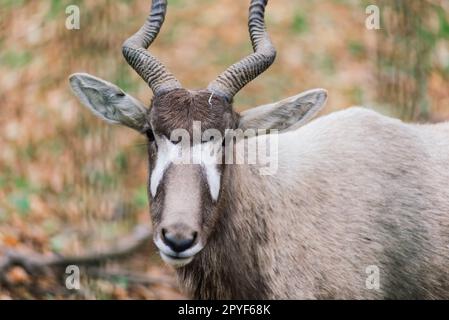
(17, 275)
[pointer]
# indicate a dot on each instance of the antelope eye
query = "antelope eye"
(175, 140)
(150, 135)
(209, 139)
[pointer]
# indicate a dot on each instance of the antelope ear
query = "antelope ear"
(287, 114)
(109, 102)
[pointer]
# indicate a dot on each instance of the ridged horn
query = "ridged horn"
(146, 65)
(241, 73)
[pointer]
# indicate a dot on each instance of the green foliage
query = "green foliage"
(121, 281)
(444, 24)
(56, 146)
(21, 202)
(177, 3)
(22, 183)
(327, 64)
(140, 198)
(50, 226)
(299, 24)
(19, 199)
(123, 79)
(29, 152)
(356, 94)
(15, 59)
(3, 215)
(121, 161)
(103, 179)
(57, 7)
(356, 49)
(432, 37)
(57, 243)
(7, 4)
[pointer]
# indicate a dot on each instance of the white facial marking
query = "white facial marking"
(207, 154)
(167, 153)
(213, 180)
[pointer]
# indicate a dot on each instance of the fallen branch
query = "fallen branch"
(36, 263)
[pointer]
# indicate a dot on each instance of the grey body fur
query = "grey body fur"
(353, 189)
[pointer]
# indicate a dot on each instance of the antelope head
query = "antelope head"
(184, 197)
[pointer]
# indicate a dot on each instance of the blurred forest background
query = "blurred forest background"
(73, 186)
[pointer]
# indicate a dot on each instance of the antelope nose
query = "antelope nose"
(179, 239)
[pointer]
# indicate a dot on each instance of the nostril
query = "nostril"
(178, 243)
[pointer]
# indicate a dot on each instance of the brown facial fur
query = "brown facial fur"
(224, 268)
(178, 109)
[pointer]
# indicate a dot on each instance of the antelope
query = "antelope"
(357, 208)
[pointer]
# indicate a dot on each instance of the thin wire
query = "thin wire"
(210, 99)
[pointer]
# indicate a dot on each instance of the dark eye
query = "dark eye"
(175, 140)
(150, 135)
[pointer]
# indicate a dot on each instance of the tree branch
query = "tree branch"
(36, 263)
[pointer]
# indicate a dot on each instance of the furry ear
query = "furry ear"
(109, 102)
(285, 115)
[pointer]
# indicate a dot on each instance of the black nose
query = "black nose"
(178, 241)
